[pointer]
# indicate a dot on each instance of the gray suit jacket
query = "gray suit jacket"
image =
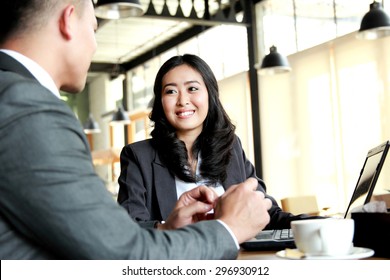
(54, 206)
(148, 190)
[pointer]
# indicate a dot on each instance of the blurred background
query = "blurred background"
(306, 125)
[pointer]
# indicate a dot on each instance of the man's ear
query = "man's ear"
(65, 22)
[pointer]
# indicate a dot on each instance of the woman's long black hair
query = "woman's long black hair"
(215, 141)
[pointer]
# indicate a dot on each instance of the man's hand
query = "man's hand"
(191, 207)
(244, 209)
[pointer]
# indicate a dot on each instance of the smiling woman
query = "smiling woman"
(184, 84)
(193, 143)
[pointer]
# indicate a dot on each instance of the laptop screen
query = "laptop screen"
(368, 177)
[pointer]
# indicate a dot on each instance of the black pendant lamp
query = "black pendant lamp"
(91, 126)
(274, 63)
(120, 117)
(116, 9)
(375, 24)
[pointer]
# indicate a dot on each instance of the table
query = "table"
(270, 255)
(257, 255)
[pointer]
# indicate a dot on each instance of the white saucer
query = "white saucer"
(356, 253)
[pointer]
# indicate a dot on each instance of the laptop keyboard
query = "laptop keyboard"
(283, 234)
(277, 234)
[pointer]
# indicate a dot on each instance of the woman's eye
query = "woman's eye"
(170, 91)
(193, 89)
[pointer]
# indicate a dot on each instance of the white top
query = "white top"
(36, 70)
(182, 186)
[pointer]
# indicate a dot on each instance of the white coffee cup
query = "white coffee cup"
(324, 237)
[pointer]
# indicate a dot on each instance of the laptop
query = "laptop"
(283, 238)
(368, 177)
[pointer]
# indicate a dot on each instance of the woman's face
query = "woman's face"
(185, 100)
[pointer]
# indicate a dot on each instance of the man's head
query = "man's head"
(57, 34)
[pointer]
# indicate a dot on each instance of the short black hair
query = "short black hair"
(19, 16)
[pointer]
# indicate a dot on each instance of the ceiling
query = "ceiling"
(123, 40)
(131, 41)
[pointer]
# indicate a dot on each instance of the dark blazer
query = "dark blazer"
(148, 191)
(52, 203)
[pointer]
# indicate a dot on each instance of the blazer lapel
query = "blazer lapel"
(165, 188)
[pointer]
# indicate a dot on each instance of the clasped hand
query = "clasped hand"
(192, 206)
(243, 209)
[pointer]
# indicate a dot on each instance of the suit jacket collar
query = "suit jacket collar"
(8, 63)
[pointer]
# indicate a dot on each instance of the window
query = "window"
(320, 120)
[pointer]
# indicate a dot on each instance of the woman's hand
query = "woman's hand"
(192, 206)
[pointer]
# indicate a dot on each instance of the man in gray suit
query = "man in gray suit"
(52, 204)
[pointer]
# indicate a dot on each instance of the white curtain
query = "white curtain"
(319, 121)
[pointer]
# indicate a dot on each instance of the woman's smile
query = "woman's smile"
(185, 114)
